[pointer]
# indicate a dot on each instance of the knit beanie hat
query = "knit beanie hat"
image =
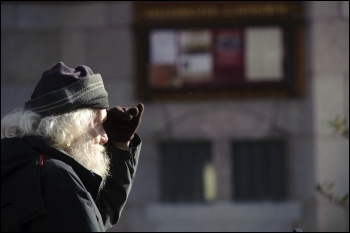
(62, 89)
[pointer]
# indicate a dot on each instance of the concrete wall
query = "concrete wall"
(36, 35)
(329, 69)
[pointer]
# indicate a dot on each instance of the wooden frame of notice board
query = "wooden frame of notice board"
(217, 49)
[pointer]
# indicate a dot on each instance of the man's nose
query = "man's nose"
(103, 138)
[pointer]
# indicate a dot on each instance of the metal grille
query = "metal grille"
(259, 170)
(182, 170)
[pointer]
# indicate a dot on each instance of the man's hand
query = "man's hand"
(122, 122)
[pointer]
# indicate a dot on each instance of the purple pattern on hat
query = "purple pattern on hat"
(62, 89)
(58, 77)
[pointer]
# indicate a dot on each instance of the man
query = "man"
(67, 162)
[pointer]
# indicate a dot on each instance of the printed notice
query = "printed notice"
(264, 54)
(195, 59)
(163, 53)
(163, 47)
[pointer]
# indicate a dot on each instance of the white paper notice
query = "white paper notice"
(195, 58)
(264, 54)
(162, 47)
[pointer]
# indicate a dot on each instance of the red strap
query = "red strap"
(41, 160)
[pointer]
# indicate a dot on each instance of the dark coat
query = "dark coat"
(44, 189)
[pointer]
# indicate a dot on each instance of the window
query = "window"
(187, 172)
(259, 168)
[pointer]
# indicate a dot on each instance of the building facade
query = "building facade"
(201, 167)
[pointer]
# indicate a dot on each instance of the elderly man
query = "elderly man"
(67, 161)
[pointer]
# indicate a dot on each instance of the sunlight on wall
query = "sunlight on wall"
(209, 181)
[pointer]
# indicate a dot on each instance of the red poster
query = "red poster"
(228, 56)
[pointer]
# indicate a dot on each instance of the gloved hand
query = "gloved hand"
(122, 122)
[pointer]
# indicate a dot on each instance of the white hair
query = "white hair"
(60, 130)
(69, 132)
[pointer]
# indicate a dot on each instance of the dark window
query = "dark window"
(259, 170)
(182, 171)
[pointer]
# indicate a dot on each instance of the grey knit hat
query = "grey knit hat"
(62, 89)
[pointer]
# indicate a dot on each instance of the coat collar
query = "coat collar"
(90, 179)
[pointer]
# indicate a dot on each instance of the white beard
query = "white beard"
(92, 156)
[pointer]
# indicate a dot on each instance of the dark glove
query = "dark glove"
(122, 122)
